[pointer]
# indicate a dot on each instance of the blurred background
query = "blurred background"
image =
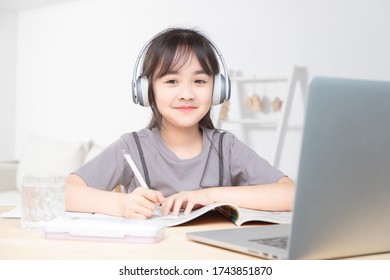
(66, 65)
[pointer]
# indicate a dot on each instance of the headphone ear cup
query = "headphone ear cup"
(143, 91)
(219, 91)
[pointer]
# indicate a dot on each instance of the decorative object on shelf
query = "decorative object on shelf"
(276, 104)
(254, 103)
(224, 111)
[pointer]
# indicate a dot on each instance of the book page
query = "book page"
(248, 215)
(182, 218)
(169, 220)
(230, 212)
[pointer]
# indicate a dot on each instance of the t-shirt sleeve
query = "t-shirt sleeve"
(105, 171)
(248, 168)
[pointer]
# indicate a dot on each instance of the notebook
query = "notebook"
(342, 201)
(103, 228)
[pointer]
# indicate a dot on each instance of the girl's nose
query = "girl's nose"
(186, 92)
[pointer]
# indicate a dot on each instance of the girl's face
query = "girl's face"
(183, 96)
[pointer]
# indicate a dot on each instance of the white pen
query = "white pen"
(135, 170)
(138, 175)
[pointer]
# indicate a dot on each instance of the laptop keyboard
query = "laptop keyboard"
(280, 242)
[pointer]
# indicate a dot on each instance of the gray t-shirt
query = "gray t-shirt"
(169, 174)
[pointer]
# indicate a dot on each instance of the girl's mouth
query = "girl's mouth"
(186, 108)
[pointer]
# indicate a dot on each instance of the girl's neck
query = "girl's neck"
(185, 143)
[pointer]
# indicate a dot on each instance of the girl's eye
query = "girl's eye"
(199, 81)
(171, 81)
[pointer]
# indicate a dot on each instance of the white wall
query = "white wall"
(8, 30)
(75, 60)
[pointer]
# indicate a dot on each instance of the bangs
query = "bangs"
(173, 60)
(171, 55)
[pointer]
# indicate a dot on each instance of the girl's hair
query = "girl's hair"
(169, 51)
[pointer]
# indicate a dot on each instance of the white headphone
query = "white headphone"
(140, 84)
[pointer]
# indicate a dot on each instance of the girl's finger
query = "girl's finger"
(151, 195)
(177, 206)
(167, 206)
(138, 212)
(189, 207)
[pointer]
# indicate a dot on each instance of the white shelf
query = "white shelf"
(258, 123)
(280, 124)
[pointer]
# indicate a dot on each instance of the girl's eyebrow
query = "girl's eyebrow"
(201, 71)
(197, 72)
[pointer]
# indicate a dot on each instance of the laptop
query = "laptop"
(342, 201)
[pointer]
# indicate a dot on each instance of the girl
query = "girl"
(187, 163)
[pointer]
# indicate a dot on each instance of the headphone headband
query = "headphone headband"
(221, 91)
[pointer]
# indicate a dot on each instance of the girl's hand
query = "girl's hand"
(187, 200)
(141, 203)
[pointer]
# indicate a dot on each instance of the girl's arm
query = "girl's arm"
(139, 204)
(270, 197)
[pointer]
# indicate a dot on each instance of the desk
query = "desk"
(16, 243)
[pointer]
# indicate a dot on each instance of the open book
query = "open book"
(235, 214)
